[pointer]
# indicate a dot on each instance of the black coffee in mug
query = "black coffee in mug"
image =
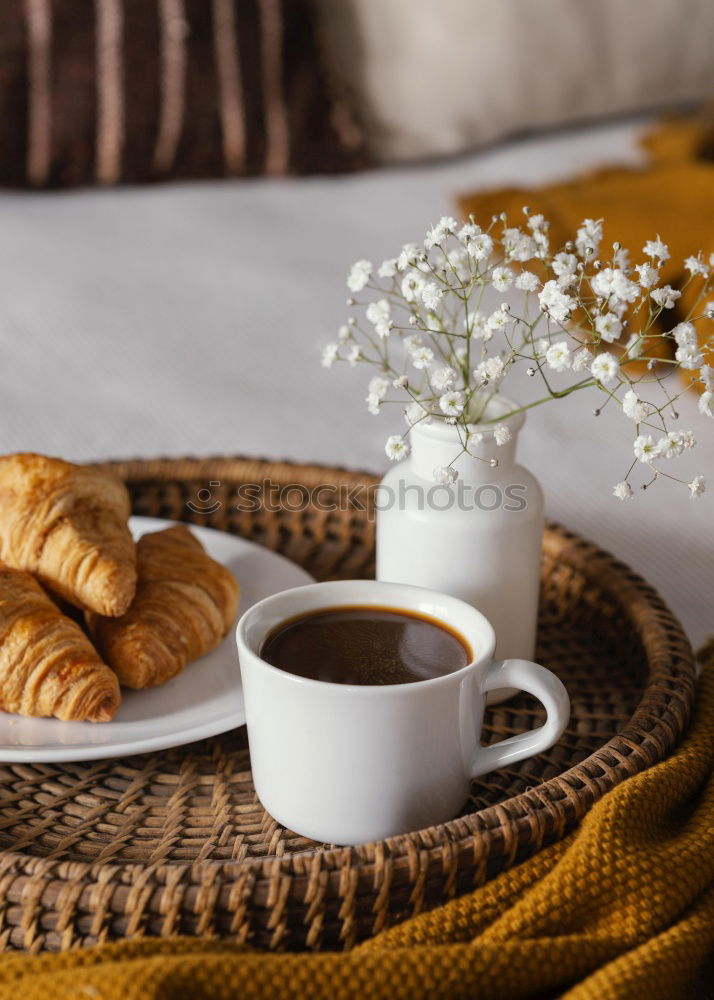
(365, 645)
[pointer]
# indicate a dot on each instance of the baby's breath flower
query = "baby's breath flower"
(605, 369)
(359, 275)
(582, 359)
(355, 354)
(623, 491)
(490, 370)
(438, 233)
(422, 357)
(502, 434)
(648, 275)
(468, 232)
(388, 268)
(431, 295)
(706, 404)
(554, 301)
(443, 379)
(706, 374)
(527, 282)
(670, 446)
(396, 448)
(564, 263)
(685, 335)
(433, 237)
(379, 314)
(412, 284)
(452, 403)
(645, 448)
(497, 320)
(502, 278)
(344, 333)
(688, 356)
(378, 386)
(695, 265)
(696, 487)
(445, 475)
(495, 368)
(566, 281)
(416, 413)
(517, 245)
(542, 245)
(480, 246)
(412, 341)
(330, 354)
(609, 326)
(558, 356)
(407, 256)
(665, 296)
(611, 283)
(656, 249)
(373, 403)
(633, 407)
(401, 382)
(587, 239)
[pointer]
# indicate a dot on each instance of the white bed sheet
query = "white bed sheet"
(189, 319)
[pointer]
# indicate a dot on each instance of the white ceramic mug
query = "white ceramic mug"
(348, 764)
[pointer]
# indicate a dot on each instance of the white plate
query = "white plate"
(206, 699)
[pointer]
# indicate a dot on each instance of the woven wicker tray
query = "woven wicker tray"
(177, 843)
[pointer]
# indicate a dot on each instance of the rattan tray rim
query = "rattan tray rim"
(333, 893)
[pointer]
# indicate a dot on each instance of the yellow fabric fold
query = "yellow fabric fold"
(623, 909)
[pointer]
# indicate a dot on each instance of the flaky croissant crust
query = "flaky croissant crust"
(185, 604)
(48, 667)
(67, 525)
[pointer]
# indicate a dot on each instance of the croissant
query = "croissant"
(47, 664)
(185, 604)
(67, 525)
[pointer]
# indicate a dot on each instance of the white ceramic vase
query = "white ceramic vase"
(478, 539)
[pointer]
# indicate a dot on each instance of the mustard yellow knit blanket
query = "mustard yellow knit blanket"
(623, 908)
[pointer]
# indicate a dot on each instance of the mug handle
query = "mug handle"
(546, 687)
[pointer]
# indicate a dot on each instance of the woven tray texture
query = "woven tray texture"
(177, 842)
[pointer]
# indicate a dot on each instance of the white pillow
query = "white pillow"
(442, 76)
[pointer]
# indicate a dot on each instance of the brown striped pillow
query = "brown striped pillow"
(104, 91)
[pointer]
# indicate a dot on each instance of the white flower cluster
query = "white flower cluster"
(586, 319)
